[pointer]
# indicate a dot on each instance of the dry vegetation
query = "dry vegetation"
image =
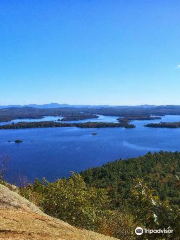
(22, 220)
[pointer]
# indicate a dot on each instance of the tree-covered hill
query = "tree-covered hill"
(116, 198)
(161, 171)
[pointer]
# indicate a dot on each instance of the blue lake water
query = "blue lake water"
(54, 152)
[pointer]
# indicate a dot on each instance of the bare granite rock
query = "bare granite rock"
(22, 220)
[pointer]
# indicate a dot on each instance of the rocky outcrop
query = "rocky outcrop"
(22, 220)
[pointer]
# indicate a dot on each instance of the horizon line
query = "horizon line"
(110, 105)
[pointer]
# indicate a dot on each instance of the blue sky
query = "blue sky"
(120, 52)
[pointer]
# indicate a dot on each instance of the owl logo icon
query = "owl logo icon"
(139, 231)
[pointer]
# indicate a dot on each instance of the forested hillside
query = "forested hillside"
(116, 198)
(161, 171)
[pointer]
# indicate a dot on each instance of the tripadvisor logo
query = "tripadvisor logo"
(139, 231)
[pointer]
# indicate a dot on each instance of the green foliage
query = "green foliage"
(164, 125)
(48, 124)
(79, 117)
(152, 213)
(161, 171)
(73, 201)
(70, 200)
(117, 197)
(148, 186)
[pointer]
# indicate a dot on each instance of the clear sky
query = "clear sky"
(117, 52)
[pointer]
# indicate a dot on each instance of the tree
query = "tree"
(151, 213)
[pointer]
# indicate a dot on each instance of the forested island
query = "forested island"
(78, 117)
(116, 197)
(70, 112)
(125, 115)
(128, 119)
(164, 125)
(51, 124)
(103, 125)
(140, 118)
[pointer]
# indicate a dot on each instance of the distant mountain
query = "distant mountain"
(55, 105)
(148, 106)
(11, 106)
(50, 105)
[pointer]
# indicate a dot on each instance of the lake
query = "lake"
(54, 152)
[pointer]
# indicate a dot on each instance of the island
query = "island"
(18, 141)
(164, 125)
(71, 113)
(139, 118)
(51, 124)
(78, 117)
(94, 133)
